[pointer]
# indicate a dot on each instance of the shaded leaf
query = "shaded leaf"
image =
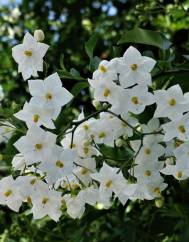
(148, 37)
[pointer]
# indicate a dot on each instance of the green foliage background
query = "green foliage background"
(68, 25)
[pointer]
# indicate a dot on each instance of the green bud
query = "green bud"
(119, 142)
(159, 202)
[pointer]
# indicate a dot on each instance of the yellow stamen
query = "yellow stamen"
(157, 191)
(106, 92)
(148, 173)
(181, 129)
(59, 164)
(33, 181)
(29, 200)
(83, 171)
(103, 69)
(45, 200)
(73, 146)
(101, 135)
(38, 146)
(172, 102)
(35, 118)
(48, 96)
(28, 53)
(134, 100)
(86, 127)
(179, 174)
(147, 151)
(108, 184)
(8, 193)
(134, 67)
(86, 150)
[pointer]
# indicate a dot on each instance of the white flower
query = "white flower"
(179, 128)
(147, 171)
(135, 68)
(47, 202)
(171, 103)
(150, 150)
(59, 164)
(134, 100)
(29, 185)
(156, 186)
(179, 172)
(51, 92)
(153, 126)
(29, 56)
(112, 181)
(6, 131)
(105, 91)
(36, 146)
(18, 162)
(10, 194)
(36, 114)
(84, 169)
(75, 206)
(182, 152)
(106, 70)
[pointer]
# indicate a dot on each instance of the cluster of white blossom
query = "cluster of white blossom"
(54, 175)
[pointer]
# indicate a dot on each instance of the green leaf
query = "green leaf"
(62, 62)
(73, 75)
(148, 37)
(78, 87)
(89, 48)
(90, 45)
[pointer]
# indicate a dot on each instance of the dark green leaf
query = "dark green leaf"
(78, 87)
(148, 37)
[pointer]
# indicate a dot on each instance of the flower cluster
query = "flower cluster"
(75, 172)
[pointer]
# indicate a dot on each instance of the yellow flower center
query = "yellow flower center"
(135, 100)
(38, 146)
(148, 173)
(181, 129)
(28, 53)
(35, 118)
(147, 151)
(86, 150)
(33, 181)
(48, 96)
(108, 184)
(172, 102)
(8, 193)
(59, 164)
(83, 171)
(101, 135)
(73, 146)
(86, 127)
(157, 190)
(29, 200)
(103, 69)
(106, 92)
(134, 67)
(45, 200)
(179, 174)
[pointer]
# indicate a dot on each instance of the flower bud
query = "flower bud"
(119, 142)
(125, 136)
(96, 104)
(105, 105)
(159, 202)
(39, 35)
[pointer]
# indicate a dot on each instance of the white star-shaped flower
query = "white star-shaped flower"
(29, 56)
